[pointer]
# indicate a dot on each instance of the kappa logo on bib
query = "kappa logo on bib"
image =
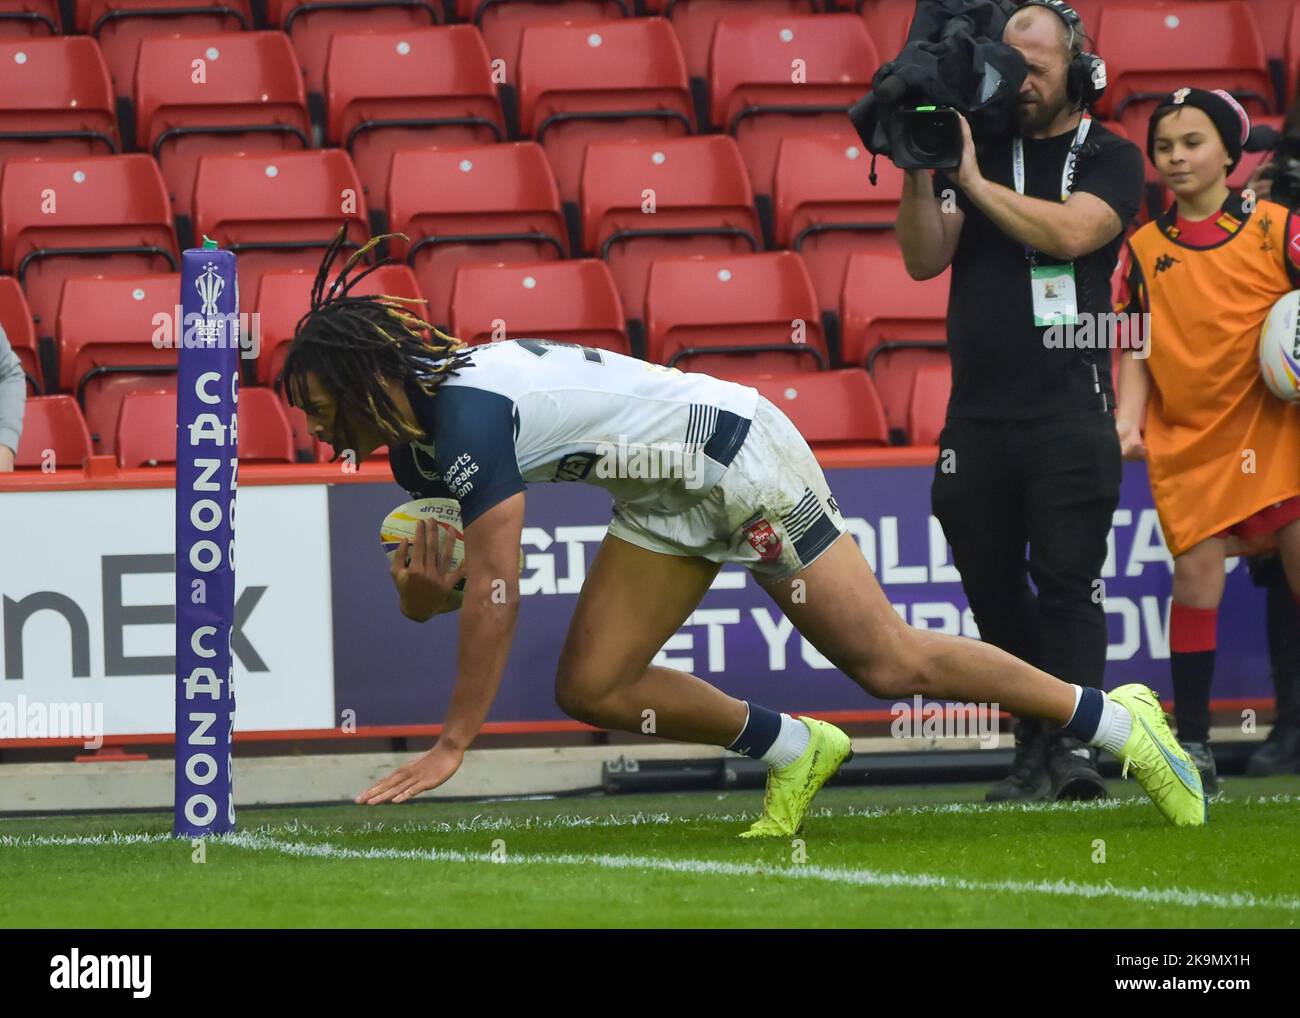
(764, 539)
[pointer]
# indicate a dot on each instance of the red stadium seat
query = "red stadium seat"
(1275, 18)
(16, 322)
(55, 99)
(29, 19)
(54, 435)
(829, 408)
(73, 216)
(891, 324)
(928, 407)
(493, 203)
(105, 335)
(284, 298)
(570, 302)
(601, 79)
(1152, 50)
(417, 86)
(146, 429)
(502, 22)
(278, 210)
(762, 67)
(264, 433)
(828, 213)
(694, 22)
(248, 99)
(310, 24)
(745, 313)
(702, 205)
(888, 22)
(119, 26)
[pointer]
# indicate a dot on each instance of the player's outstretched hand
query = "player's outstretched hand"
(429, 771)
(424, 582)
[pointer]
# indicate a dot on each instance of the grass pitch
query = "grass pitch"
(894, 857)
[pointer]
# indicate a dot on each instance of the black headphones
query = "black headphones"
(1085, 80)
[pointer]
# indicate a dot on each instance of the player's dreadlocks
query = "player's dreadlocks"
(352, 343)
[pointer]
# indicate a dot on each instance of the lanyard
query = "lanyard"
(1067, 174)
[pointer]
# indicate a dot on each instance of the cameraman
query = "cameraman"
(1029, 453)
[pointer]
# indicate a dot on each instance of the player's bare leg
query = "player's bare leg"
(838, 605)
(633, 600)
(842, 611)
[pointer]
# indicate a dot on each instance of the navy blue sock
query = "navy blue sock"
(760, 731)
(1086, 719)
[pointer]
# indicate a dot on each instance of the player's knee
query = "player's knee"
(577, 691)
(572, 696)
(899, 666)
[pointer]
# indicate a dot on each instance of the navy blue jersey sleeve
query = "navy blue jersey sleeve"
(415, 470)
(474, 434)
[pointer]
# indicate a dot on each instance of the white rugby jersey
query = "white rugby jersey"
(535, 410)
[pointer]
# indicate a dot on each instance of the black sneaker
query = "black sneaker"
(1279, 754)
(1072, 767)
(1204, 760)
(1028, 780)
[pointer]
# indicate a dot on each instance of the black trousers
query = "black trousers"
(1048, 485)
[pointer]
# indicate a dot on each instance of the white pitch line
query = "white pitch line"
(856, 877)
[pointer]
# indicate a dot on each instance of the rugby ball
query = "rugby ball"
(1279, 348)
(444, 513)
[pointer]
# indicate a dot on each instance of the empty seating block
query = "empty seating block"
(106, 333)
(730, 314)
(417, 86)
(644, 199)
(120, 25)
(571, 302)
(278, 211)
(826, 208)
(493, 203)
(891, 324)
(601, 79)
(55, 99)
(54, 435)
(311, 23)
(195, 94)
(829, 408)
(770, 76)
(70, 217)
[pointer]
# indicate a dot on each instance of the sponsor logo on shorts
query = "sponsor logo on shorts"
(764, 539)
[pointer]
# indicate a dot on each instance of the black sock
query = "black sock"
(1193, 674)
